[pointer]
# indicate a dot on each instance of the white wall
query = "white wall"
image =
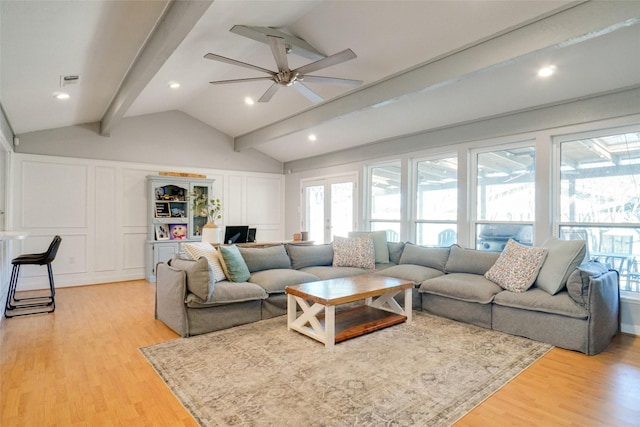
(100, 208)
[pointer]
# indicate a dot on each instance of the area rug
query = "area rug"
(429, 372)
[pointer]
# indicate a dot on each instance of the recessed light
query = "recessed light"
(61, 95)
(313, 137)
(174, 85)
(546, 71)
(249, 101)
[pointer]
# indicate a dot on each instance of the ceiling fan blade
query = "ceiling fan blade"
(332, 80)
(269, 93)
(345, 55)
(279, 51)
(219, 58)
(311, 95)
(252, 79)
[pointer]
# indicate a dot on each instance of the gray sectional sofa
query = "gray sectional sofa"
(573, 304)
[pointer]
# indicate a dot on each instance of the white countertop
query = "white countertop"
(13, 235)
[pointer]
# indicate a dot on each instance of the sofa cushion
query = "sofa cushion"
(462, 286)
(379, 243)
(228, 293)
(310, 255)
(354, 252)
(258, 259)
(562, 259)
(234, 266)
(197, 249)
(395, 251)
(411, 272)
(275, 280)
(578, 282)
(427, 257)
(325, 273)
(517, 266)
(199, 280)
(462, 260)
(539, 300)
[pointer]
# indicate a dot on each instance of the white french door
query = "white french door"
(329, 207)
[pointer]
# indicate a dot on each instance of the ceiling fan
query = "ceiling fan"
(287, 77)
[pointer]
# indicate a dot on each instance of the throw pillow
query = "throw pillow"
(517, 266)
(563, 257)
(233, 263)
(354, 252)
(204, 249)
(199, 280)
(379, 243)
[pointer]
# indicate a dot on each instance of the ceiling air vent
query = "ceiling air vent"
(69, 80)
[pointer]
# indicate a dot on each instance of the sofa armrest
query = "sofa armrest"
(171, 291)
(604, 310)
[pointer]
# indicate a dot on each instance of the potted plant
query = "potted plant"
(210, 208)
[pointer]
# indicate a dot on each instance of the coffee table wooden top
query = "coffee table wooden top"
(348, 289)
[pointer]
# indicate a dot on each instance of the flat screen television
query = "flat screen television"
(236, 234)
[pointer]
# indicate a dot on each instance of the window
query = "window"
(385, 199)
(436, 201)
(599, 198)
(504, 197)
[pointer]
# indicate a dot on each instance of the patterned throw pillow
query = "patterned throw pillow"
(517, 267)
(354, 252)
(199, 249)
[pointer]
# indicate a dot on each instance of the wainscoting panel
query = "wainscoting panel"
(71, 259)
(233, 212)
(100, 209)
(264, 205)
(54, 195)
(133, 251)
(105, 242)
(134, 197)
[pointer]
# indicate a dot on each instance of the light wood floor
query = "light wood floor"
(81, 367)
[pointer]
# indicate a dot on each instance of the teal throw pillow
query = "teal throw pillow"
(235, 268)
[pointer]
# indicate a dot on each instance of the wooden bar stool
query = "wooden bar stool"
(32, 305)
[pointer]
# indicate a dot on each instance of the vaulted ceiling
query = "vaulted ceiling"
(424, 64)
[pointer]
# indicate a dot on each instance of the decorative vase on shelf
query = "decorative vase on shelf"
(211, 233)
